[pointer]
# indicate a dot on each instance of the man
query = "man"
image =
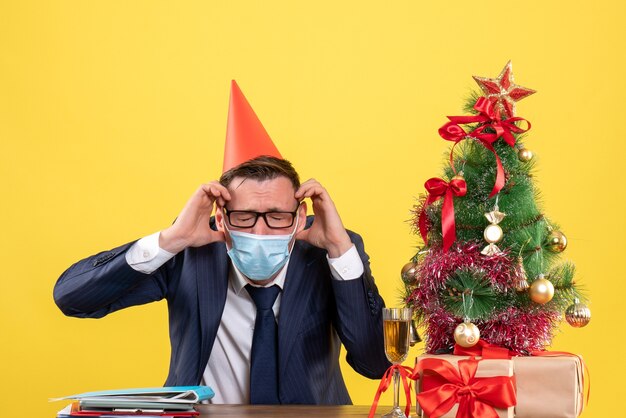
(260, 238)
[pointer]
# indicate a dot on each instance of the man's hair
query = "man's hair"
(262, 168)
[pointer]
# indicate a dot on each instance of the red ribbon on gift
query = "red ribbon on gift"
(492, 351)
(488, 117)
(438, 188)
(485, 350)
(405, 373)
(446, 386)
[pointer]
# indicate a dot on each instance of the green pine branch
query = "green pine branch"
(468, 293)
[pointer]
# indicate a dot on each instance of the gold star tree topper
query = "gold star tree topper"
(502, 91)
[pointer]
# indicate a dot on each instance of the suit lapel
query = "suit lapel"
(212, 281)
(295, 295)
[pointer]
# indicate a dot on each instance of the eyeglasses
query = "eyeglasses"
(248, 218)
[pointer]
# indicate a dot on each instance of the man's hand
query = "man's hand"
(327, 231)
(191, 228)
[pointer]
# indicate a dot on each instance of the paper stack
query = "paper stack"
(170, 402)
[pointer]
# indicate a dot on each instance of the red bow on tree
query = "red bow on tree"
(438, 188)
(487, 118)
(444, 386)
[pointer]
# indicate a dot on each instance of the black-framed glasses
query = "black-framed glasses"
(248, 218)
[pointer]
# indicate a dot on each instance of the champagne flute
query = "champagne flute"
(396, 323)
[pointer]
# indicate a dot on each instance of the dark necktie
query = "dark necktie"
(264, 359)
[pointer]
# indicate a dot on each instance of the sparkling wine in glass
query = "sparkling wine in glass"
(396, 322)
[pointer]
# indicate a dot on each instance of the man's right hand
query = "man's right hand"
(191, 228)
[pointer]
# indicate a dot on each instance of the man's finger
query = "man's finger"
(306, 187)
(315, 190)
(216, 190)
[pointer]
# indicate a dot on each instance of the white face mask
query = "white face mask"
(259, 257)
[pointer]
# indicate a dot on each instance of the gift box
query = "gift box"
(547, 385)
(442, 388)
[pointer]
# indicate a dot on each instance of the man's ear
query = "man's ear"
(219, 219)
(301, 217)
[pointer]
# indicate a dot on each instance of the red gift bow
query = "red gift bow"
(476, 396)
(405, 374)
(438, 188)
(488, 117)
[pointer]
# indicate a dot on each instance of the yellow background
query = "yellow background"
(113, 112)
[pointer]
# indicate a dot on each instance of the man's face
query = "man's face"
(261, 196)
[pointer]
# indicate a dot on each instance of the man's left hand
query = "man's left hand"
(327, 230)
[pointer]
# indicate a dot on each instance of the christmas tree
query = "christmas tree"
(490, 266)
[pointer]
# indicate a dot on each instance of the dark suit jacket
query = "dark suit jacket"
(316, 314)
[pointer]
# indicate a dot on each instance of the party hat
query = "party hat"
(246, 138)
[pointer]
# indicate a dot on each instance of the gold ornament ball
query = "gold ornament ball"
(466, 334)
(493, 233)
(556, 241)
(459, 177)
(541, 291)
(578, 315)
(525, 155)
(408, 271)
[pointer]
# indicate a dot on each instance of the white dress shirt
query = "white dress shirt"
(228, 369)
